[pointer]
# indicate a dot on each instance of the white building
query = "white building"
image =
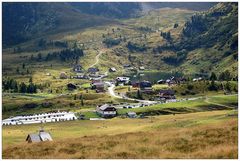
(122, 79)
(40, 118)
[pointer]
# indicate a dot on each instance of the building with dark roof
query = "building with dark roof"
(145, 86)
(167, 94)
(77, 68)
(106, 110)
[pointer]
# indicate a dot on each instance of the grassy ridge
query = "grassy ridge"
(198, 135)
(187, 106)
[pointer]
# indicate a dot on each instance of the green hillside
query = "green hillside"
(25, 21)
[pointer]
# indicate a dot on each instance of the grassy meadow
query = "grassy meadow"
(199, 135)
(203, 128)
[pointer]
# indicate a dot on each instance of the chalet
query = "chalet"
(145, 86)
(112, 69)
(197, 79)
(161, 81)
(71, 86)
(126, 65)
(135, 84)
(98, 86)
(94, 75)
(106, 110)
(123, 79)
(171, 81)
(63, 75)
(41, 136)
(167, 94)
(77, 68)
(93, 70)
(80, 76)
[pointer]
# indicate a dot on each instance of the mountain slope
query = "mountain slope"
(195, 6)
(24, 21)
(109, 9)
(208, 42)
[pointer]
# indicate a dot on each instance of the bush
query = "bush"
(30, 105)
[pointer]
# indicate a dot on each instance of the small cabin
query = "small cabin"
(142, 68)
(98, 86)
(77, 68)
(161, 81)
(126, 65)
(145, 86)
(123, 80)
(93, 70)
(167, 94)
(112, 69)
(106, 110)
(132, 114)
(41, 136)
(135, 84)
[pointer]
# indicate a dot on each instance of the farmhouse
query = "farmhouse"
(77, 68)
(106, 110)
(197, 79)
(135, 84)
(93, 70)
(145, 86)
(41, 136)
(126, 65)
(99, 86)
(80, 76)
(40, 118)
(112, 69)
(63, 75)
(123, 79)
(161, 81)
(167, 94)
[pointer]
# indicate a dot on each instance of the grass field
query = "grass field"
(196, 135)
(187, 106)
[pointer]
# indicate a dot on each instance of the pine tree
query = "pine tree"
(139, 95)
(30, 80)
(17, 70)
(75, 97)
(213, 76)
(82, 103)
(23, 88)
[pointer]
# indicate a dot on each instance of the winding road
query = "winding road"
(112, 93)
(97, 59)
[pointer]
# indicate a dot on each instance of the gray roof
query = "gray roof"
(34, 137)
(41, 136)
(45, 136)
(105, 106)
(131, 113)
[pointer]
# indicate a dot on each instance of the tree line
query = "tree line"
(14, 86)
(63, 55)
